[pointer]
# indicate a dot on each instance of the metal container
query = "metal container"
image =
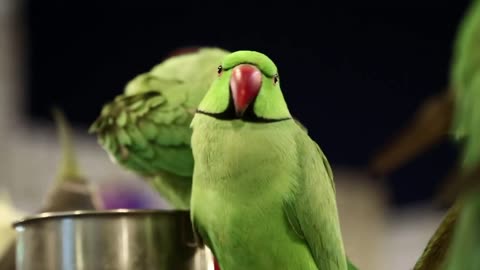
(109, 240)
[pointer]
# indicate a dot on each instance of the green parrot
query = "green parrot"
(263, 195)
(146, 129)
(464, 128)
(452, 114)
(465, 78)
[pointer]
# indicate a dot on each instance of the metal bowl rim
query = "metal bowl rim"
(89, 213)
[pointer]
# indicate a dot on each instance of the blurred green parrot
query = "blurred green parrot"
(146, 128)
(454, 113)
(263, 195)
(464, 249)
(450, 114)
(465, 80)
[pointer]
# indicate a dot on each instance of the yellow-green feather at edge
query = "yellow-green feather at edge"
(301, 125)
(464, 251)
(319, 228)
(69, 170)
(465, 81)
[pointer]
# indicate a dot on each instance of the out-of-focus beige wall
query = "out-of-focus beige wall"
(6, 83)
(29, 153)
(362, 210)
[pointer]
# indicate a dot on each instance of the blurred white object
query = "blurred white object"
(363, 217)
(8, 215)
(409, 231)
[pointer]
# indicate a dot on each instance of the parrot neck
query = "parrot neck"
(240, 156)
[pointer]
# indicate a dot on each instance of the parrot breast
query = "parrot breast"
(240, 182)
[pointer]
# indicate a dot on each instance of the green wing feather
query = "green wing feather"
(465, 81)
(146, 129)
(147, 133)
(312, 209)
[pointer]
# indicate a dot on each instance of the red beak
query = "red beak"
(245, 84)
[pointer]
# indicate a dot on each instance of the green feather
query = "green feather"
(146, 129)
(123, 137)
(465, 81)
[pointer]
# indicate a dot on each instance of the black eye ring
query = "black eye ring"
(219, 69)
(275, 78)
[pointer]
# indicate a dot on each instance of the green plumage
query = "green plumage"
(465, 248)
(263, 195)
(463, 252)
(146, 129)
(465, 81)
(451, 237)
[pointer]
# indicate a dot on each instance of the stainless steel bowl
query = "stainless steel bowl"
(115, 239)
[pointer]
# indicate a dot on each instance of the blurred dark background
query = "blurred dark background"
(353, 76)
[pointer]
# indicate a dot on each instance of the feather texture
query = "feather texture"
(275, 195)
(146, 129)
(465, 80)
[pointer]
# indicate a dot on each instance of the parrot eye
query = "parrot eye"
(219, 69)
(275, 79)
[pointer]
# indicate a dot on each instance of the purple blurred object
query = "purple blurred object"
(128, 194)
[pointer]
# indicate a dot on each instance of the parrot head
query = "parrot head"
(247, 89)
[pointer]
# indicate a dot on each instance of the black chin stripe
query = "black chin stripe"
(248, 116)
(224, 116)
